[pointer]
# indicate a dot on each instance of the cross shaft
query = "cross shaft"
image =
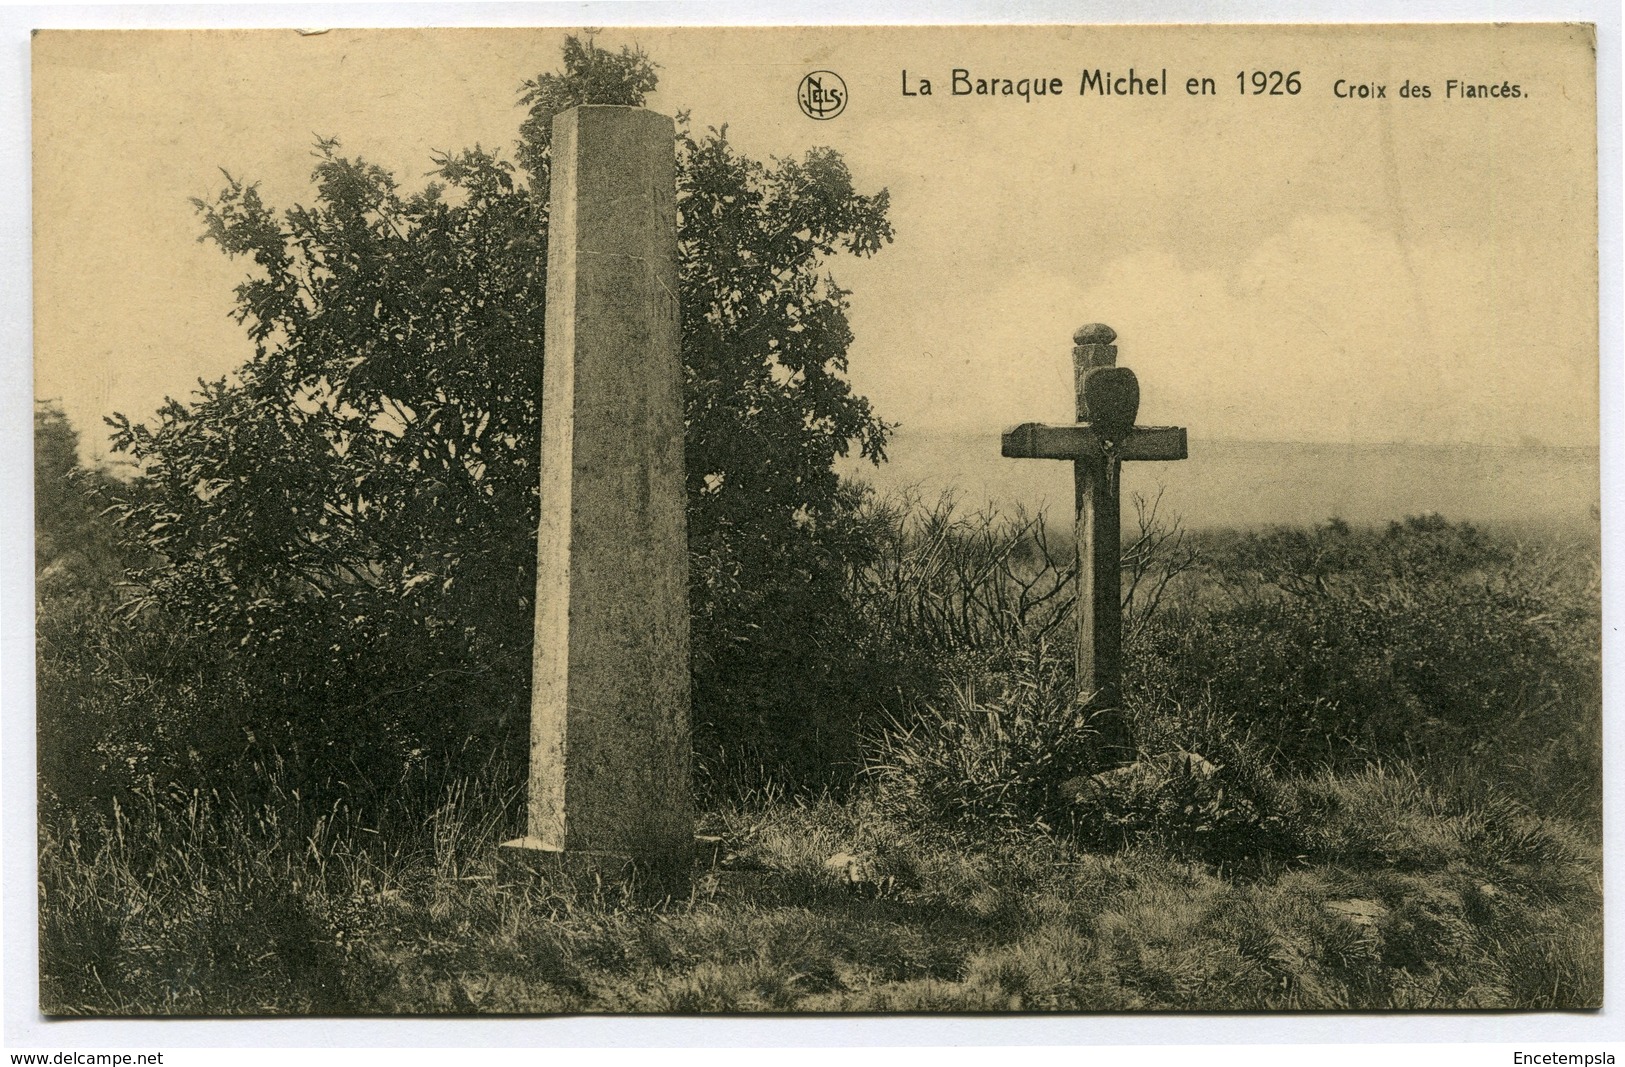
(1097, 444)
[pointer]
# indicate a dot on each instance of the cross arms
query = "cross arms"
(1081, 441)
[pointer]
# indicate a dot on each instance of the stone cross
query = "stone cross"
(609, 740)
(1108, 399)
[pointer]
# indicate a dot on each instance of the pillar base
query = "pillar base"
(589, 871)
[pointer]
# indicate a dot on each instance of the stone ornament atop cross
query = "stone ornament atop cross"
(1108, 400)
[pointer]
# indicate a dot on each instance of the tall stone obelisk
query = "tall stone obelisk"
(609, 785)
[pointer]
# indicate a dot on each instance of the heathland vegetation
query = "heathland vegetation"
(283, 677)
(1369, 776)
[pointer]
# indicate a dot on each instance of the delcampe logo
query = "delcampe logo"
(822, 95)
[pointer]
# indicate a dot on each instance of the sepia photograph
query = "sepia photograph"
(875, 520)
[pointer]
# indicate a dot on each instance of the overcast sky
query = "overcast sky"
(1282, 268)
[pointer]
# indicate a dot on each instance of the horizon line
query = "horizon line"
(1222, 440)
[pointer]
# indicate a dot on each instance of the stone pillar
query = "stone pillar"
(609, 785)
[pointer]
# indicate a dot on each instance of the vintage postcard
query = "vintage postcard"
(931, 519)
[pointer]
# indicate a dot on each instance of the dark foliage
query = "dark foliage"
(1008, 760)
(1342, 646)
(772, 531)
(1184, 802)
(88, 743)
(1282, 653)
(76, 547)
(341, 534)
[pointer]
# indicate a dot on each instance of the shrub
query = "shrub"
(343, 530)
(999, 762)
(1202, 786)
(1183, 802)
(93, 670)
(1026, 760)
(1285, 651)
(945, 592)
(1343, 646)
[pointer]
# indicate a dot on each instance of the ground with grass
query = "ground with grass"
(1368, 777)
(1401, 898)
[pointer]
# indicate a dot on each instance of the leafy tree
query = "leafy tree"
(345, 527)
(771, 529)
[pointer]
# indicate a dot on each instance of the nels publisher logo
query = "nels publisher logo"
(822, 95)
